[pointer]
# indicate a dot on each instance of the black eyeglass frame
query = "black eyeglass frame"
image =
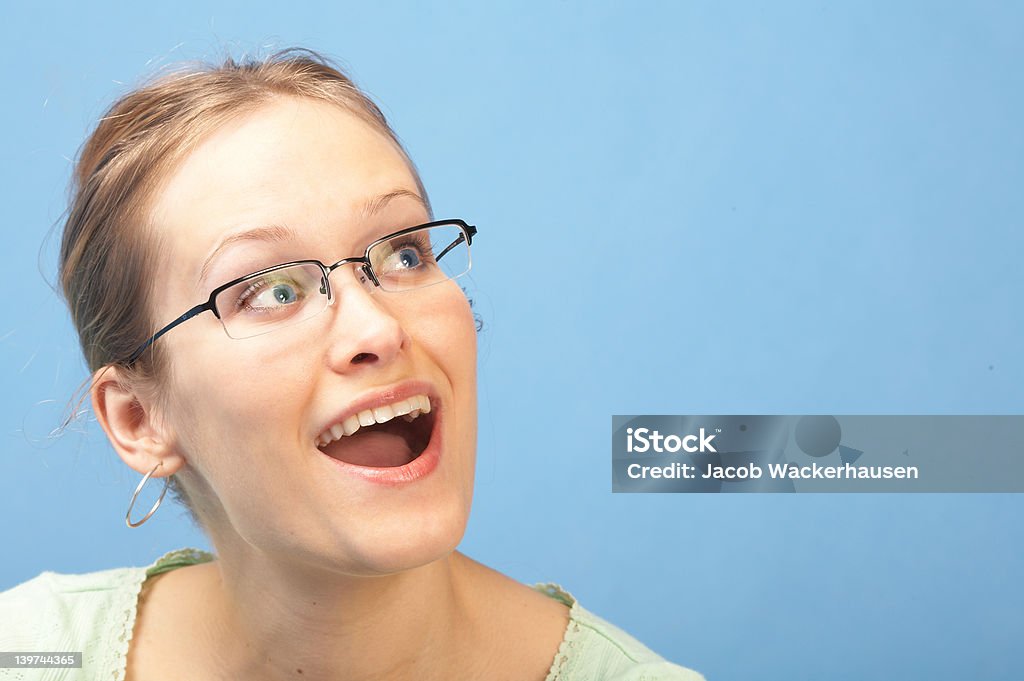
(468, 231)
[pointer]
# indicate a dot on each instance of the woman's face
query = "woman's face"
(246, 414)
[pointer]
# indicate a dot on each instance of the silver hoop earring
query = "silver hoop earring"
(128, 515)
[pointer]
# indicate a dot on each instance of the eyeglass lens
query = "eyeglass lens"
(292, 294)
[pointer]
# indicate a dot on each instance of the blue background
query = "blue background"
(691, 208)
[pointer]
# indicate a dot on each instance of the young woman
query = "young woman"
(273, 320)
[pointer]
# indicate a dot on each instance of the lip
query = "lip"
(380, 397)
(420, 467)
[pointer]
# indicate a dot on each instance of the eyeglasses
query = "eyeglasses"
(286, 294)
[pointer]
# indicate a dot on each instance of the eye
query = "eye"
(412, 253)
(284, 294)
(408, 258)
(269, 293)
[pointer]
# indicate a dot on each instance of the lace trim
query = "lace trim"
(128, 607)
(561, 665)
(129, 602)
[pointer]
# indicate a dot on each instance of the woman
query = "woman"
(270, 311)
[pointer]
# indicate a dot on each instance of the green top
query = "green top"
(95, 613)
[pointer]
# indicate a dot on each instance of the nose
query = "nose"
(363, 331)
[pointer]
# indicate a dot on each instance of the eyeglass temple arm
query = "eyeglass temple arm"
(180, 320)
(470, 229)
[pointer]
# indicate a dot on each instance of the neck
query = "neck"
(277, 620)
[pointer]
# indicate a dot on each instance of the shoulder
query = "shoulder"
(69, 612)
(596, 649)
(52, 595)
(90, 612)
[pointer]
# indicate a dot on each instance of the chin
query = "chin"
(399, 542)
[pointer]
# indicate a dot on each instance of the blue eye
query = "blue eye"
(279, 295)
(409, 258)
(404, 261)
(265, 294)
(284, 294)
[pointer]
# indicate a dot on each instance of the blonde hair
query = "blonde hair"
(108, 248)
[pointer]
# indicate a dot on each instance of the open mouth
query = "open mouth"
(397, 441)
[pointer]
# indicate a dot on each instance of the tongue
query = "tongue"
(371, 447)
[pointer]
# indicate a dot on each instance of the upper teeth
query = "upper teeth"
(408, 409)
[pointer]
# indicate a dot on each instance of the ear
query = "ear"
(131, 425)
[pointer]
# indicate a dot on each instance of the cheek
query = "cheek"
(450, 340)
(236, 428)
(230, 400)
(448, 331)
(227, 386)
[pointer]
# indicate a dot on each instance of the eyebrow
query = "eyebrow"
(281, 233)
